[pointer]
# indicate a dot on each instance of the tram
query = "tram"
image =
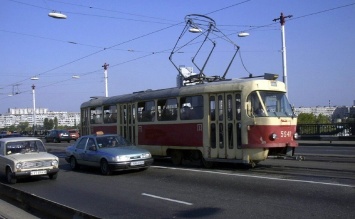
(207, 119)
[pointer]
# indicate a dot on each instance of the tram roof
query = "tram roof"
(169, 92)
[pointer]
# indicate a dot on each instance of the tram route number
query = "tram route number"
(285, 134)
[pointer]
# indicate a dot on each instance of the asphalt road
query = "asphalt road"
(321, 186)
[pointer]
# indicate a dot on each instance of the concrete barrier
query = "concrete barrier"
(40, 206)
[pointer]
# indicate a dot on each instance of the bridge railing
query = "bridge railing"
(336, 131)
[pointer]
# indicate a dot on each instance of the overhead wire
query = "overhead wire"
(111, 47)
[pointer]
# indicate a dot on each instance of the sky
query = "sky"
(136, 38)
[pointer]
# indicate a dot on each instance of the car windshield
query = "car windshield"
(269, 104)
(24, 147)
(112, 141)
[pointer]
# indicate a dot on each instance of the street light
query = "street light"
(282, 22)
(243, 34)
(34, 108)
(105, 66)
(57, 15)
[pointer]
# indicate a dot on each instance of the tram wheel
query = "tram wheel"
(206, 164)
(176, 157)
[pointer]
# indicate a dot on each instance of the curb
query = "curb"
(40, 206)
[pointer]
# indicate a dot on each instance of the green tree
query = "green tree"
(55, 123)
(22, 126)
(322, 119)
(47, 124)
(306, 118)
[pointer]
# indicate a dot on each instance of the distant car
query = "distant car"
(74, 134)
(26, 157)
(10, 135)
(57, 136)
(108, 152)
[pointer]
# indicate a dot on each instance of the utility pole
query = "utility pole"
(105, 73)
(34, 108)
(284, 65)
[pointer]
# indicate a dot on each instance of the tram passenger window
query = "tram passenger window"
(191, 108)
(212, 108)
(220, 108)
(229, 108)
(110, 114)
(238, 106)
(146, 111)
(167, 109)
(96, 115)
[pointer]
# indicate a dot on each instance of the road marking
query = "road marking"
(259, 177)
(167, 199)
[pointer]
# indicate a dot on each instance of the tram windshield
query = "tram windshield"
(269, 104)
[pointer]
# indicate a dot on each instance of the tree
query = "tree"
(55, 123)
(47, 124)
(22, 126)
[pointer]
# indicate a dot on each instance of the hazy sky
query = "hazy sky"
(136, 37)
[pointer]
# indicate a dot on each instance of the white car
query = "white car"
(26, 157)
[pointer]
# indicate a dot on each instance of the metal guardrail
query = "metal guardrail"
(334, 130)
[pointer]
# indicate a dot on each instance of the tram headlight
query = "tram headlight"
(295, 136)
(273, 136)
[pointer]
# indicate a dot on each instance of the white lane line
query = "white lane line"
(167, 199)
(259, 177)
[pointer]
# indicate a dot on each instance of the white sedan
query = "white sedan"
(26, 157)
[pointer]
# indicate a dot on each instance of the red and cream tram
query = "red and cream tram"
(212, 119)
(239, 120)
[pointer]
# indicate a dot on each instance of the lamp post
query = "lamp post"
(105, 75)
(34, 108)
(284, 65)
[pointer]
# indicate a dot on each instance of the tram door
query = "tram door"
(127, 121)
(224, 124)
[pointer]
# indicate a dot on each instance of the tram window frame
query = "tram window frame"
(110, 113)
(167, 109)
(146, 111)
(191, 107)
(96, 115)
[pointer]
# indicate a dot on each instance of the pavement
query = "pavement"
(9, 211)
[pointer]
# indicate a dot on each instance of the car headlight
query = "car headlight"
(295, 136)
(54, 163)
(122, 158)
(146, 155)
(18, 165)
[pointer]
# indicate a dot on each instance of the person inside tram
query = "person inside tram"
(259, 111)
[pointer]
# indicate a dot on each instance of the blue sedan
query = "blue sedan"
(108, 152)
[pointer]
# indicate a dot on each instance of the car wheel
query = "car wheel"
(55, 140)
(11, 179)
(73, 164)
(53, 176)
(105, 169)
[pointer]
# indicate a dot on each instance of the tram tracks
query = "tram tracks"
(341, 171)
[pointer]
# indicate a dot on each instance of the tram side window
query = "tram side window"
(110, 113)
(167, 109)
(238, 106)
(212, 108)
(84, 117)
(146, 111)
(96, 115)
(191, 107)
